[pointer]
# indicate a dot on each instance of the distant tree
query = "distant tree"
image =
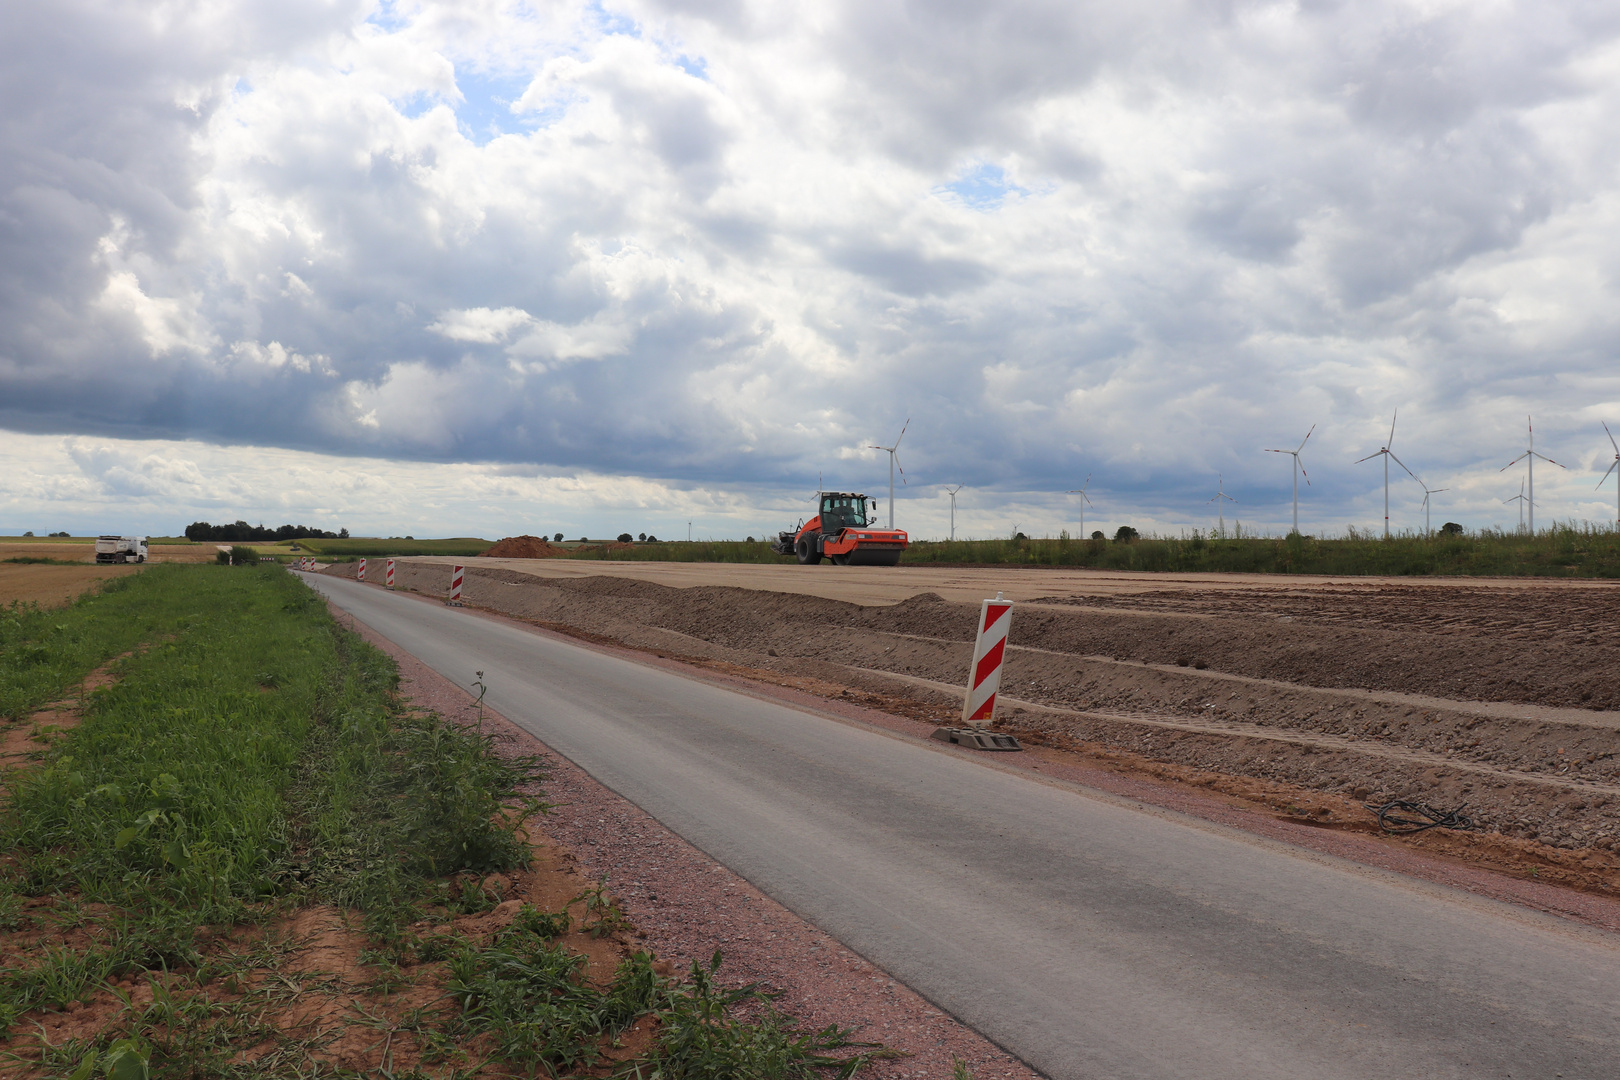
(1451, 528)
(1125, 534)
(558, 538)
(642, 537)
(1097, 534)
(343, 534)
(625, 538)
(240, 531)
(651, 539)
(750, 540)
(584, 540)
(30, 532)
(62, 533)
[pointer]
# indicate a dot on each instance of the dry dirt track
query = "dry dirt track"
(1500, 694)
(889, 585)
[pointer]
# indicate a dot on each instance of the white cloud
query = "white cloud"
(481, 325)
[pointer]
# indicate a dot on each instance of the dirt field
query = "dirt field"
(50, 585)
(1503, 695)
(85, 551)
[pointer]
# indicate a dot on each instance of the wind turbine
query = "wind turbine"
(894, 463)
(1428, 528)
(952, 493)
(1521, 500)
(1612, 466)
(1299, 467)
(1084, 499)
(1220, 493)
(1529, 457)
(1387, 454)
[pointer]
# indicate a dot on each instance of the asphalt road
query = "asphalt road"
(1091, 937)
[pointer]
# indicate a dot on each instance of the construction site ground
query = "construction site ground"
(1305, 698)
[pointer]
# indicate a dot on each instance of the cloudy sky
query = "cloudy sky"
(485, 267)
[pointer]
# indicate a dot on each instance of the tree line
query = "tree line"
(241, 532)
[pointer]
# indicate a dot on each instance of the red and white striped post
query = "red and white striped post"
(455, 584)
(390, 573)
(989, 650)
(362, 575)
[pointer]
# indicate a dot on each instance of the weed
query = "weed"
(701, 1036)
(542, 924)
(603, 915)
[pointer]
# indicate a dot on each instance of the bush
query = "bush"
(62, 533)
(1097, 534)
(1125, 534)
(557, 537)
(625, 538)
(1451, 528)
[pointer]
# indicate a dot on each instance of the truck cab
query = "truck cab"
(120, 549)
(844, 531)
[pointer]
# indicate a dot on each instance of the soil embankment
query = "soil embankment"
(524, 547)
(1503, 699)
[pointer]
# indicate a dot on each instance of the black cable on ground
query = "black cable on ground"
(1426, 817)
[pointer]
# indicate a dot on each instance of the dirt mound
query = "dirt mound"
(524, 547)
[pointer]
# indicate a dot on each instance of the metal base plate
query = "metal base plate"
(977, 738)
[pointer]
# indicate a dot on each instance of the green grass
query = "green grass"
(1564, 551)
(1567, 551)
(360, 546)
(45, 652)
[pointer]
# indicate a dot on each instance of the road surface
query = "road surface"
(1089, 936)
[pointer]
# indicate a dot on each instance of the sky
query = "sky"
(483, 268)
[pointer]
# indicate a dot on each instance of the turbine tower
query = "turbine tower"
(1529, 458)
(1299, 467)
(1521, 500)
(894, 463)
(1084, 499)
(952, 493)
(1612, 467)
(1428, 528)
(1387, 454)
(1220, 493)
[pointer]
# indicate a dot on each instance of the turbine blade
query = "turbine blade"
(1606, 475)
(1369, 457)
(902, 469)
(1302, 471)
(1612, 443)
(1409, 472)
(1514, 462)
(1306, 439)
(902, 433)
(1392, 429)
(1547, 459)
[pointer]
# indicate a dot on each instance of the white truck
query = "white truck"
(124, 549)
